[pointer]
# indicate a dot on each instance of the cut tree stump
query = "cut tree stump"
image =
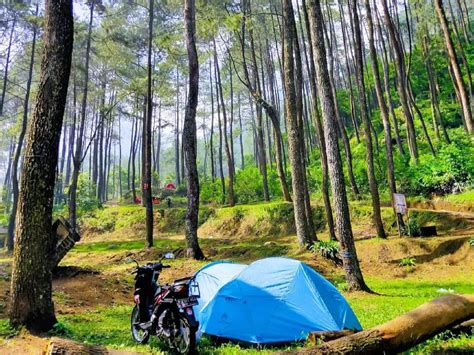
(405, 331)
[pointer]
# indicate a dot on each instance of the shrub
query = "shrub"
(327, 249)
(452, 170)
(413, 227)
(471, 242)
(407, 262)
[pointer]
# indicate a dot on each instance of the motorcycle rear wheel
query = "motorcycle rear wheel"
(139, 335)
(185, 342)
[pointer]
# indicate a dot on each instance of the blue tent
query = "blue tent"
(273, 300)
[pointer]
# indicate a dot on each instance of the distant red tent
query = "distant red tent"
(138, 200)
(170, 186)
(156, 200)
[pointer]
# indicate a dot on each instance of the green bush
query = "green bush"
(452, 170)
(413, 227)
(407, 262)
(281, 214)
(327, 249)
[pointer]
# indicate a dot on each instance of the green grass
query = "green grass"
(110, 326)
(399, 296)
(464, 197)
(109, 246)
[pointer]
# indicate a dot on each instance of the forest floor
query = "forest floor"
(93, 289)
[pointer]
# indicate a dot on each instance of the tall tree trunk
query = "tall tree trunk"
(189, 135)
(374, 192)
(211, 138)
(241, 135)
(6, 183)
(386, 79)
(19, 145)
(383, 113)
(77, 160)
(293, 128)
(319, 132)
(219, 122)
(177, 146)
(255, 92)
(435, 111)
(354, 276)
(31, 302)
(459, 80)
(7, 63)
(228, 152)
(402, 86)
(147, 123)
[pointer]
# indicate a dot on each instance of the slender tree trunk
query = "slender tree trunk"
(464, 96)
(241, 135)
(177, 145)
(6, 183)
(7, 63)
(402, 86)
(383, 113)
(147, 123)
(319, 132)
(374, 192)
(19, 145)
(293, 128)
(354, 276)
(386, 78)
(435, 111)
(31, 302)
(189, 135)
(211, 138)
(230, 160)
(221, 165)
(77, 160)
(255, 92)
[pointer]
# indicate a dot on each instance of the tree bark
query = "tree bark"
(77, 160)
(7, 63)
(374, 192)
(383, 113)
(19, 145)
(402, 86)
(255, 92)
(465, 100)
(405, 331)
(305, 238)
(31, 302)
(147, 123)
(319, 132)
(228, 151)
(189, 135)
(343, 226)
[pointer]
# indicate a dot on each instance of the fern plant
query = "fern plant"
(327, 249)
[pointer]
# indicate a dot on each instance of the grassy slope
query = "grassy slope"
(400, 289)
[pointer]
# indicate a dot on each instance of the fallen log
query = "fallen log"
(405, 331)
(315, 338)
(58, 346)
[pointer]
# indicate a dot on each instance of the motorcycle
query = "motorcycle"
(164, 310)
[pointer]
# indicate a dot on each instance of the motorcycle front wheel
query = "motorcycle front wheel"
(185, 341)
(139, 335)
